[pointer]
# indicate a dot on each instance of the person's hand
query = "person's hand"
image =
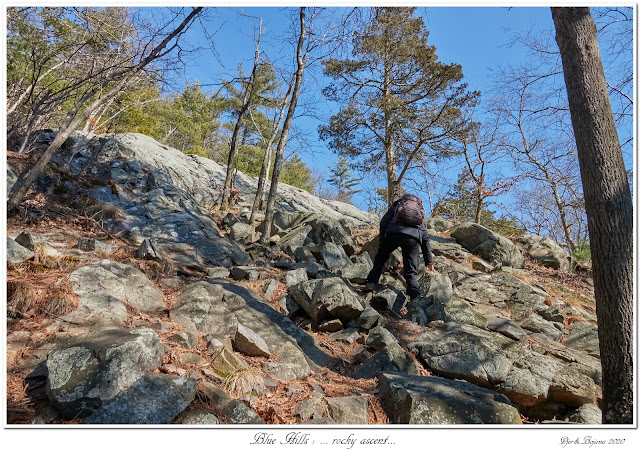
(431, 268)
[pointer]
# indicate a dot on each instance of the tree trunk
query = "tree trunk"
(271, 200)
(393, 186)
(246, 100)
(266, 162)
(608, 205)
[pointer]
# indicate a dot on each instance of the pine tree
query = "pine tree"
(343, 179)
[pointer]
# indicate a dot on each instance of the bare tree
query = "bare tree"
(91, 96)
(608, 204)
(246, 100)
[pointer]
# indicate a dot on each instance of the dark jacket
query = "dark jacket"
(419, 233)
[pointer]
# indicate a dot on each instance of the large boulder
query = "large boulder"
(487, 244)
(546, 252)
(86, 373)
(152, 399)
(391, 358)
(349, 409)
(201, 308)
(434, 400)
(327, 298)
(16, 253)
(107, 290)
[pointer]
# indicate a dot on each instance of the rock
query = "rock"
(349, 409)
(389, 298)
(285, 371)
(16, 253)
(152, 399)
(269, 287)
(369, 318)
(106, 290)
(85, 373)
(200, 308)
(391, 358)
(219, 273)
(227, 363)
(192, 358)
(546, 252)
(587, 414)
(455, 309)
(506, 327)
(356, 272)
(308, 409)
(239, 413)
(288, 305)
(249, 343)
(249, 273)
(583, 336)
(185, 339)
(347, 336)
(481, 265)
(572, 388)
(333, 257)
(489, 245)
(148, 251)
(436, 286)
(379, 337)
(86, 244)
(535, 323)
(198, 416)
(438, 224)
(25, 239)
(417, 310)
(242, 232)
(326, 299)
(295, 277)
(434, 400)
(332, 325)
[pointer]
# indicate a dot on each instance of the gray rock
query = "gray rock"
(587, 414)
(438, 224)
(219, 273)
(391, 358)
(434, 400)
(455, 309)
(379, 337)
(327, 298)
(295, 277)
(200, 308)
(285, 371)
(535, 323)
(308, 409)
(148, 251)
(16, 253)
(152, 399)
(249, 343)
(390, 299)
(25, 239)
(332, 325)
(288, 305)
(107, 289)
(369, 318)
(185, 339)
(436, 286)
(347, 336)
(489, 245)
(269, 287)
(546, 252)
(239, 413)
(333, 257)
(250, 273)
(198, 416)
(192, 358)
(86, 373)
(356, 272)
(349, 409)
(86, 244)
(506, 327)
(242, 232)
(583, 336)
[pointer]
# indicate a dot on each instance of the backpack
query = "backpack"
(409, 210)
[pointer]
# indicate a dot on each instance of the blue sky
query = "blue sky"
(477, 38)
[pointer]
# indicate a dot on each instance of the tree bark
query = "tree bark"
(246, 101)
(277, 166)
(608, 205)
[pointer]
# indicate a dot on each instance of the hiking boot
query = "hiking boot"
(369, 287)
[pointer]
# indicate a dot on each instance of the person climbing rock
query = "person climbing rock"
(403, 226)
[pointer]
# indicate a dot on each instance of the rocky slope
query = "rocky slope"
(133, 300)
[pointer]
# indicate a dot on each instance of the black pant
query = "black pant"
(410, 259)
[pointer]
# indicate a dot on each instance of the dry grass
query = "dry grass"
(20, 408)
(34, 293)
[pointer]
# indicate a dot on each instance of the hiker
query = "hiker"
(403, 226)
